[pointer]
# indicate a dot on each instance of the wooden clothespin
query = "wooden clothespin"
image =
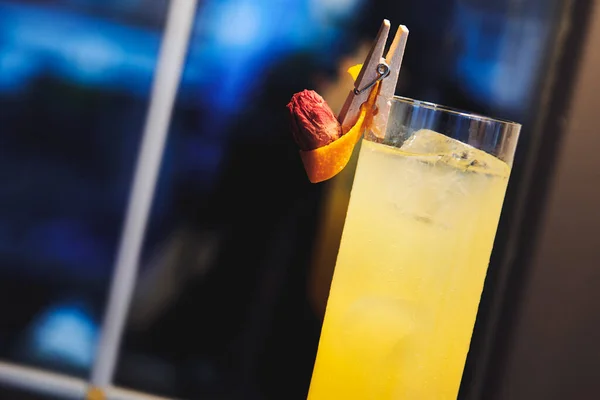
(376, 69)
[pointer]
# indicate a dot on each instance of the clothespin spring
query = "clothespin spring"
(383, 70)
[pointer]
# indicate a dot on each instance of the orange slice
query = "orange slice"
(326, 162)
(355, 70)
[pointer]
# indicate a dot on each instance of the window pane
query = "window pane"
(74, 85)
(221, 308)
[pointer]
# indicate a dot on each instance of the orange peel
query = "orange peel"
(326, 162)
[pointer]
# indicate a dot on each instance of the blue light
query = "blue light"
(334, 9)
(16, 69)
(239, 24)
(234, 39)
(81, 48)
(65, 334)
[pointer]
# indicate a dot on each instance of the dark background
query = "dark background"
(224, 307)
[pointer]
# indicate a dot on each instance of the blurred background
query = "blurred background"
(240, 248)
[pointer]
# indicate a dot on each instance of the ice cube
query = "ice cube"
(430, 143)
(426, 141)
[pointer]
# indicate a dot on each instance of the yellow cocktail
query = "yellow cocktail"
(416, 244)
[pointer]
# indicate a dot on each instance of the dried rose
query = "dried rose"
(313, 123)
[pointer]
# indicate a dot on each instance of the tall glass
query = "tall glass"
(419, 232)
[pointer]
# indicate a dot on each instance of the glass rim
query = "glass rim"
(455, 111)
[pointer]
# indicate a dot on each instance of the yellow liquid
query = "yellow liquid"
(410, 271)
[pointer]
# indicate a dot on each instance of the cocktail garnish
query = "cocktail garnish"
(326, 145)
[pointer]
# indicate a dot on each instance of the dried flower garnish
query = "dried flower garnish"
(313, 123)
(324, 149)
